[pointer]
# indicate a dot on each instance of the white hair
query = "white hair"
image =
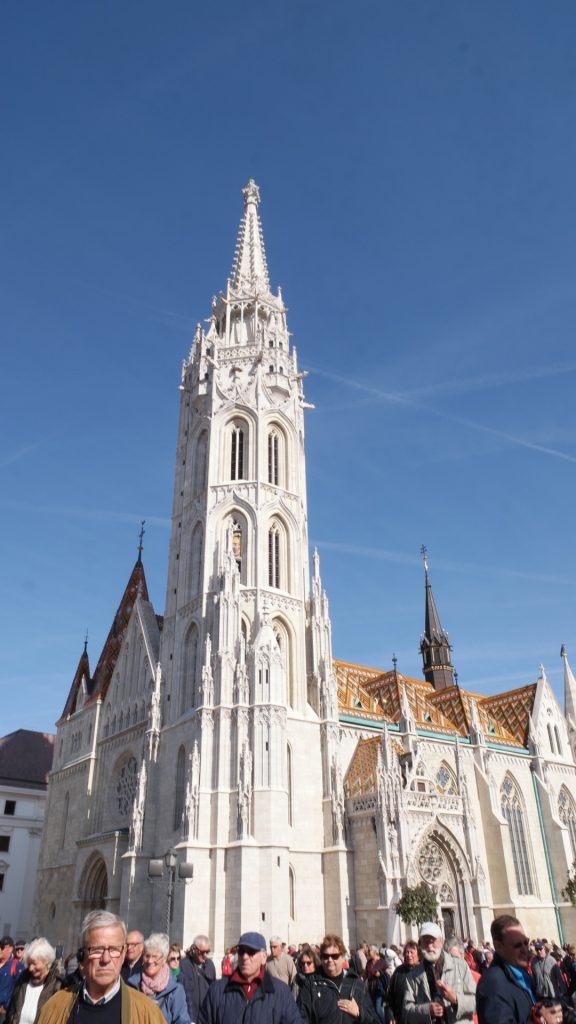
(277, 938)
(39, 949)
(157, 942)
(374, 947)
(200, 938)
(100, 919)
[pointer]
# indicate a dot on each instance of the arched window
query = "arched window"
(567, 815)
(513, 812)
(291, 892)
(290, 787)
(273, 458)
(200, 464)
(196, 560)
(64, 822)
(179, 789)
(446, 780)
(274, 577)
(237, 544)
(237, 464)
(189, 669)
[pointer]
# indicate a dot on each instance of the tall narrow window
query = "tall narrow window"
(567, 815)
(237, 544)
(273, 474)
(290, 787)
(558, 743)
(196, 560)
(292, 892)
(200, 464)
(513, 812)
(237, 454)
(64, 820)
(274, 556)
(179, 787)
(189, 670)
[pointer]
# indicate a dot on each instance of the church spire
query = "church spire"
(434, 644)
(569, 690)
(250, 269)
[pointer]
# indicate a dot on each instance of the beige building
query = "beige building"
(180, 762)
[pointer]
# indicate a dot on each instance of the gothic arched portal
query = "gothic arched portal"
(439, 862)
(94, 884)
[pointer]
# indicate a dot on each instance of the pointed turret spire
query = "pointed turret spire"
(569, 690)
(434, 645)
(250, 269)
(81, 680)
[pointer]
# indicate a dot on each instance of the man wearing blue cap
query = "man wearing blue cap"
(250, 994)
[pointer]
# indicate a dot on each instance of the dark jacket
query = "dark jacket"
(51, 985)
(395, 991)
(196, 980)
(171, 1001)
(319, 995)
(136, 968)
(273, 1003)
(499, 997)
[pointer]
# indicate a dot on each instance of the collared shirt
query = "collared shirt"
(523, 979)
(105, 999)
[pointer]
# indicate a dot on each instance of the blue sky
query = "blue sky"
(417, 163)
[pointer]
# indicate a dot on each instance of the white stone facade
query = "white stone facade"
(216, 734)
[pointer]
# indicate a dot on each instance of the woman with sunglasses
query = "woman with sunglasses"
(157, 982)
(307, 963)
(332, 991)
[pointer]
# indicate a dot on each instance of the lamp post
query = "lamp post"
(156, 870)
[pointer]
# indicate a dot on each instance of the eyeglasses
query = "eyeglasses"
(522, 942)
(245, 951)
(153, 958)
(331, 956)
(131, 945)
(306, 963)
(174, 959)
(201, 952)
(97, 952)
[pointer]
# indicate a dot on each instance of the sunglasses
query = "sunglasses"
(518, 945)
(330, 956)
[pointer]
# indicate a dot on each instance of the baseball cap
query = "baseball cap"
(6, 940)
(538, 945)
(253, 940)
(429, 928)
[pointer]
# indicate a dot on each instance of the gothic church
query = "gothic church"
(172, 798)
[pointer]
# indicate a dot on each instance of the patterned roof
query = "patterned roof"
(369, 693)
(26, 758)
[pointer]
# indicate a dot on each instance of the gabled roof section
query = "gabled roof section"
(81, 677)
(107, 662)
(250, 268)
(353, 698)
(508, 714)
(26, 758)
(361, 775)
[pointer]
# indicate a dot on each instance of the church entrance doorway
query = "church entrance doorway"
(94, 884)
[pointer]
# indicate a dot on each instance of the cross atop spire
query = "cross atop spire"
(140, 539)
(424, 553)
(250, 269)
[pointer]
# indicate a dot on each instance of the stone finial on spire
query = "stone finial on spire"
(569, 690)
(86, 642)
(250, 269)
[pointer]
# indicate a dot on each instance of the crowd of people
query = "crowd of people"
(121, 977)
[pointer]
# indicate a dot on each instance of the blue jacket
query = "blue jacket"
(171, 1000)
(273, 1003)
(500, 999)
(196, 981)
(9, 973)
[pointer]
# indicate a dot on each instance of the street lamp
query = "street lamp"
(156, 870)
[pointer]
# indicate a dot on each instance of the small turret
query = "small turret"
(434, 645)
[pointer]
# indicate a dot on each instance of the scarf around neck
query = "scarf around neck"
(153, 986)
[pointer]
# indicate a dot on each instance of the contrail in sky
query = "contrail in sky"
(404, 398)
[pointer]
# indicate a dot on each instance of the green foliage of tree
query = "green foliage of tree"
(417, 904)
(569, 893)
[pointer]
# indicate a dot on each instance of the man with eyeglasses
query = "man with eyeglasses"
(250, 994)
(197, 972)
(504, 994)
(103, 998)
(331, 992)
(134, 955)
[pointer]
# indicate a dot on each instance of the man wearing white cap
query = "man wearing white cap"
(441, 987)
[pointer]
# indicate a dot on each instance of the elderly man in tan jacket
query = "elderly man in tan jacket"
(103, 997)
(280, 964)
